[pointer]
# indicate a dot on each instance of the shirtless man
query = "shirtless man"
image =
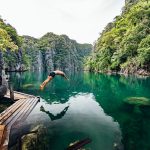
(51, 76)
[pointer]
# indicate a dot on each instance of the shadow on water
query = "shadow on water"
(90, 105)
(4, 103)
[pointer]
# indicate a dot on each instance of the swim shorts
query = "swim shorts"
(52, 74)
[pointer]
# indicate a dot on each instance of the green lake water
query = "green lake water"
(87, 106)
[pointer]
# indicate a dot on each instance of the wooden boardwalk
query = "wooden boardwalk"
(16, 113)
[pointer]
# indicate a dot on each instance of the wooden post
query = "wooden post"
(2, 136)
(11, 92)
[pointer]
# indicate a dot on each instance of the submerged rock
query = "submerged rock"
(35, 139)
(138, 101)
(28, 85)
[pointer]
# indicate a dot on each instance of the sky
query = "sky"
(81, 20)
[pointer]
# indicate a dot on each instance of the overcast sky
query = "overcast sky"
(81, 20)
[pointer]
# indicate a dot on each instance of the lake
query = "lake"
(89, 105)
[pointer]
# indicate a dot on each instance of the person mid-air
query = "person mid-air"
(51, 76)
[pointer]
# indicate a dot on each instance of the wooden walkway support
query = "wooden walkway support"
(16, 113)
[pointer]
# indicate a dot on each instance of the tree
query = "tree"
(5, 43)
(124, 43)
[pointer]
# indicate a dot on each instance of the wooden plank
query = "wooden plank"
(26, 110)
(25, 97)
(25, 115)
(2, 134)
(16, 112)
(12, 119)
(5, 143)
(10, 112)
(19, 95)
(9, 124)
(24, 94)
(9, 108)
(16, 96)
(18, 116)
(3, 148)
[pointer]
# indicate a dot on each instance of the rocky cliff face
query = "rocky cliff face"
(49, 52)
(31, 54)
(13, 60)
(52, 52)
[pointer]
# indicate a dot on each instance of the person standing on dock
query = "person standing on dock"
(51, 76)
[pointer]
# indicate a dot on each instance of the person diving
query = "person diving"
(51, 76)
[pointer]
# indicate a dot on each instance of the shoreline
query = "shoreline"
(16, 70)
(142, 73)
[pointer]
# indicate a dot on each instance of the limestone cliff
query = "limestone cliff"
(53, 51)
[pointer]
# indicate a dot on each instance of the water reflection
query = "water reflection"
(79, 118)
(96, 106)
(52, 116)
(84, 118)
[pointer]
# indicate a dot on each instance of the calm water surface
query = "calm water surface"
(88, 105)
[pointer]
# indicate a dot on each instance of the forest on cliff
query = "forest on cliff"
(124, 44)
(51, 51)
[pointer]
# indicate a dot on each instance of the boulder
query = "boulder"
(35, 139)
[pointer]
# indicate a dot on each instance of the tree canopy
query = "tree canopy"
(8, 37)
(124, 43)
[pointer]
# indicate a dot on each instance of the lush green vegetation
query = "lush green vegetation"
(49, 52)
(54, 52)
(124, 45)
(9, 41)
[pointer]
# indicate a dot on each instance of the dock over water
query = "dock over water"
(17, 112)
